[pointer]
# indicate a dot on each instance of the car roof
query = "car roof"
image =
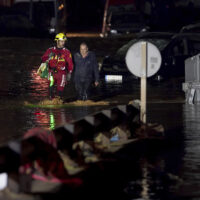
(190, 28)
(164, 39)
(188, 35)
(164, 35)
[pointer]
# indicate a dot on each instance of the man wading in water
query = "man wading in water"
(86, 71)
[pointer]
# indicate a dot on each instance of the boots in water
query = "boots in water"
(51, 92)
(85, 97)
(60, 94)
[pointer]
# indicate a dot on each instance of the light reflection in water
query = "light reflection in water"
(52, 118)
(159, 172)
(38, 85)
(191, 166)
(144, 183)
(173, 173)
(52, 121)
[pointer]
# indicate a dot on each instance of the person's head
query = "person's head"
(83, 49)
(60, 40)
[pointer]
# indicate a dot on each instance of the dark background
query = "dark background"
(87, 16)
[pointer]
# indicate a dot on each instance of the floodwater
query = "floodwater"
(169, 172)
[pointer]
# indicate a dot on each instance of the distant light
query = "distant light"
(52, 30)
(144, 30)
(113, 31)
(61, 7)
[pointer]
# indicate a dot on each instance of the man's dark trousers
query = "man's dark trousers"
(82, 87)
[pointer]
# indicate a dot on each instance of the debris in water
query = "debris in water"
(59, 102)
(150, 131)
(88, 103)
(136, 103)
(55, 101)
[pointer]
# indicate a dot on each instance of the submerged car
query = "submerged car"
(19, 25)
(174, 49)
(125, 23)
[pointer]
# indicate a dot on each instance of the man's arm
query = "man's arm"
(95, 70)
(70, 65)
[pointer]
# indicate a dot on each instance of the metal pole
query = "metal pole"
(143, 82)
(31, 10)
(104, 18)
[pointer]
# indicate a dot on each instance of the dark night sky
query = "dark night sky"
(87, 15)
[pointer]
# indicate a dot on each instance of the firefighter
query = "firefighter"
(60, 65)
(86, 71)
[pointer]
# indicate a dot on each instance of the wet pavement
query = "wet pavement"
(169, 172)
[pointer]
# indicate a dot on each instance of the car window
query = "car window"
(125, 18)
(195, 46)
(16, 21)
(178, 48)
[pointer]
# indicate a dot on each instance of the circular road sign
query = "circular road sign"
(134, 59)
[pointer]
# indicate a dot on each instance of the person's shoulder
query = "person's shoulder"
(66, 50)
(52, 48)
(77, 55)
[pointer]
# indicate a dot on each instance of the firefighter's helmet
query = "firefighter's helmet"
(60, 36)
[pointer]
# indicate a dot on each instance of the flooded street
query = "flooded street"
(170, 173)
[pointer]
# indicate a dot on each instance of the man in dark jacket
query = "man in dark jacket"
(86, 71)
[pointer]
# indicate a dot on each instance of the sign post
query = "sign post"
(143, 59)
(104, 18)
(143, 85)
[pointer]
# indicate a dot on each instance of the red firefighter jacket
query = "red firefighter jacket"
(59, 59)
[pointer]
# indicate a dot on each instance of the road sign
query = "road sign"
(134, 59)
(143, 59)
